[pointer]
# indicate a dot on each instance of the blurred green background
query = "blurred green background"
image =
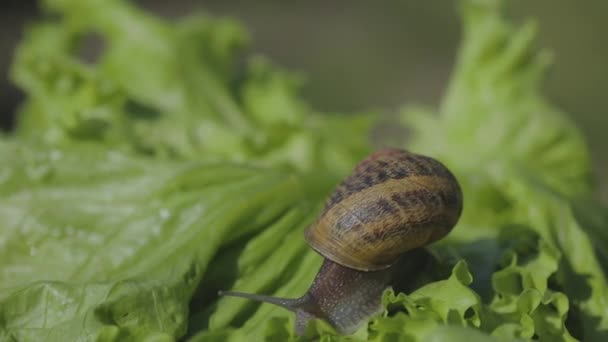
(358, 55)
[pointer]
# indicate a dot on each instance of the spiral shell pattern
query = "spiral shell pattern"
(393, 201)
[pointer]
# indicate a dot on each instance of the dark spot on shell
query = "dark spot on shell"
(401, 199)
(369, 238)
(367, 213)
(420, 166)
(421, 197)
(432, 199)
(382, 176)
(371, 211)
(437, 168)
(352, 185)
(386, 206)
(349, 222)
(358, 186)
(399, 173)
(435, 200)
(336, 197)
(449, 199)
(368, 167)
(373, 236)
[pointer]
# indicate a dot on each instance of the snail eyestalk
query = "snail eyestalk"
(287, 303)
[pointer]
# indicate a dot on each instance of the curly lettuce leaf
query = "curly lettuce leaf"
(173, 89)
(494, 117)
(523, 166)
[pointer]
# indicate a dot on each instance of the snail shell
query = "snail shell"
(393, 201)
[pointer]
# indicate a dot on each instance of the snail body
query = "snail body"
(393, 202)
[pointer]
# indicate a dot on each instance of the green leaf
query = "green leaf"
(171, 90)
(521, 163)
(101, 244)
(141, 181)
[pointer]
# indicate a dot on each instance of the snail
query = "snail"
(394, 203)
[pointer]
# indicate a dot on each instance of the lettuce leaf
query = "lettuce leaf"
(98, 243)
(143, 179)
(171, 90)
(522, 163)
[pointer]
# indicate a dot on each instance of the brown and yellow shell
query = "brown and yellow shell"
(393, 201)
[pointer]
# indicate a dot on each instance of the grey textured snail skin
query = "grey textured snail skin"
(346, 298)
(393, 203)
